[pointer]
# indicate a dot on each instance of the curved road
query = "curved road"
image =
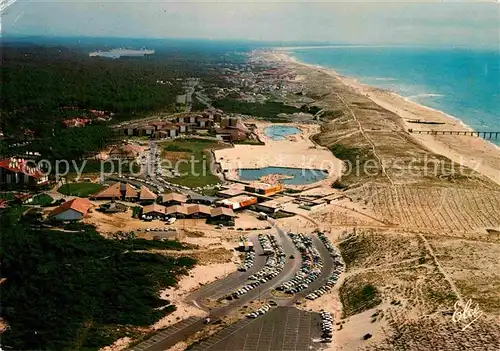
(166, 339)
(231, 282)
(160, 342)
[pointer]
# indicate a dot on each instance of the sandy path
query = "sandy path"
(362, 130)
(441, 269)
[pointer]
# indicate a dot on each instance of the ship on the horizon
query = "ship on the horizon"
(121, 52)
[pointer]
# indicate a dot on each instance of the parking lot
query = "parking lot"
(161, 340)
(282, 328)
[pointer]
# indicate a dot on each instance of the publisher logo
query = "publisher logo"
(464, 315)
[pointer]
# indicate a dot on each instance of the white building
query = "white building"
(72, 210)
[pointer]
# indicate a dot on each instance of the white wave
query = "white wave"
(423, 96)
(385, 79)
(5, 4)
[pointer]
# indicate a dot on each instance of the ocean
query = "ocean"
(462, 83)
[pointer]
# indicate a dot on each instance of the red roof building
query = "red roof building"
(18, 171)
(122, 191)
(71, 210)
(145, 194)
(76, 122)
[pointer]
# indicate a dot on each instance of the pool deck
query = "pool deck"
(296, 151)
(296, 174)
(272, 131)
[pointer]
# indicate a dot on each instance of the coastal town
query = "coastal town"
(317, 219)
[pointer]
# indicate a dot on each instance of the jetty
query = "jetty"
(483, 134)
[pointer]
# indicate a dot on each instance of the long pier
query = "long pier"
(485, 135)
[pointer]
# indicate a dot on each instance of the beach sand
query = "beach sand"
(419, 238)
(473, 152)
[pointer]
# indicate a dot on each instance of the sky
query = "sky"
(450, 23)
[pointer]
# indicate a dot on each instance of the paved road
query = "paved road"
(233, 281)
(163, 341)
(291, 266)
(165, 334)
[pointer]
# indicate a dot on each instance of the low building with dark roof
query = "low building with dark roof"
(126, 152)
(201, 199)
(231, 134)
(154, 210)
(145, 194)
(117, 191)
(240, 201)
(274, 205)
(113, 207)
(222, 215)
(170, 199)
(198, 211)
(178, 211)
(232, 190)
(264, 188)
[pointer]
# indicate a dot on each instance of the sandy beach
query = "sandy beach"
(473, 152)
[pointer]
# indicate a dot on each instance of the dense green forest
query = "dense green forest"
(73, 143)
(46, 78)
(267, 110)
(72, 289)
(44, 85)
(76, 290)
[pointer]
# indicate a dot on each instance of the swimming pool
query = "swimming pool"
(279, 132)
(301, 176)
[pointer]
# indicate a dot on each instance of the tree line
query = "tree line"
(77, 290)
(44, 85)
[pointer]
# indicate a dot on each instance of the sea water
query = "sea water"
(279, 132)
(462, 83)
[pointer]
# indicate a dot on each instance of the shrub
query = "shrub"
(80, 286)
(338, 185)
(357, 298)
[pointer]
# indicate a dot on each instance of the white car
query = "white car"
(171, 220)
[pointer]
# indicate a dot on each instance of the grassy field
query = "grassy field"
(79, 189)
(192, 159)
(42, 199)
(7, 195)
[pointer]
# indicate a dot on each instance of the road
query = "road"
(168, 338)
(231, 282)
(203, 99)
